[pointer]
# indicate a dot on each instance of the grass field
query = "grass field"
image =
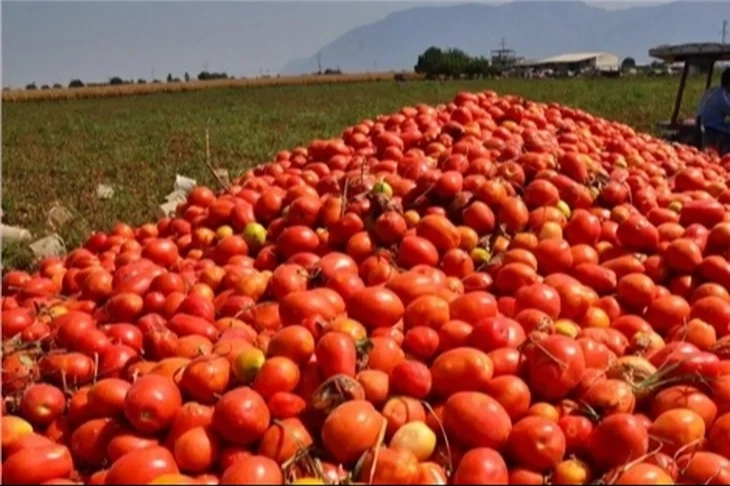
(58, 151)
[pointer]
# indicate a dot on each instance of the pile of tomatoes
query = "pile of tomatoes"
(489, 291)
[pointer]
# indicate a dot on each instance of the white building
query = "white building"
(577, 62)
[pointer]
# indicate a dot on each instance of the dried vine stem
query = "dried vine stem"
(209, 164)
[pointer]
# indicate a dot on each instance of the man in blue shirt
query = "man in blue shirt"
(714, 113)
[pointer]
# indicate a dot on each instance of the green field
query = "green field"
(58, 151)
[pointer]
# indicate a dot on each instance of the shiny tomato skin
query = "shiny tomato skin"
(476, 420)
(336, 354)
(37, 465)
(376, 307)
(253, 470)
(481, 465)
(555, 367)
(536, 443)
(351, 429)
(142, 466)
(241, 416)
(616, 439)
(461, 369)
(151, 403)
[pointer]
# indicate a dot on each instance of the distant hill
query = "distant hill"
(533, 29)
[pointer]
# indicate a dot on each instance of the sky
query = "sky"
(55, 41)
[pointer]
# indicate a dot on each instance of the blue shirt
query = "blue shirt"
(714, 109)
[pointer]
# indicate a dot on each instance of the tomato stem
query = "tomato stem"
(376, 451)
(450, 463)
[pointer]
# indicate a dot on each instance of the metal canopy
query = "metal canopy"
(707, 53)
(714, 51)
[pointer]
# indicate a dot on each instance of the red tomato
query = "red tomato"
(481, 465)
(37, 465)
(141, 466)
(241, 416)
(461, 369)
(555, 365)
(476, 420)
(284, 439)
(536, 443)
(351, 429)
(376, 307)
(41, 404)
(336, 354)
(616, 439)
(253, 470)
(151, 403)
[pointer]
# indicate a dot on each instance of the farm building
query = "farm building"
(577, 62)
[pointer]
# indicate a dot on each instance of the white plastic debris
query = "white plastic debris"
(176, 196)
(104, 192)
(222, 175)
(166, 210)
(58, 216)
(184, 184)
(14, 234)
(49, 246)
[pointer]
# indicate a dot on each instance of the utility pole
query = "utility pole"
(319, 62)
(724, 31)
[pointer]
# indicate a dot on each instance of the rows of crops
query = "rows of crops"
(488, 291)
(130, 89)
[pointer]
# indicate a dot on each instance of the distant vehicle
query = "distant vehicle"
(688, 131)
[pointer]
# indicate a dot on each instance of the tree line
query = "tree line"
(454, 64)
(118, 80)
(434, 63)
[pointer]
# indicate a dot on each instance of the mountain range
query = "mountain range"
(533, 29)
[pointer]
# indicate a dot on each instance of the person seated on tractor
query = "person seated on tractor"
(714, 115)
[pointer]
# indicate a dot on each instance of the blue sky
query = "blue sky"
(56, 41)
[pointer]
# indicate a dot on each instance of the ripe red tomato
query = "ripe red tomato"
(476, 420)
(37, 465)
(205, 378)
(253, 470)
(481, 465)
(536, 443)
(241, 416)
(151, 403)
(106, 397)
(141, 466)
(336, 354)
(616, 439)
(351, 429)
(41, 404)
(461, 369)
(283, 440)
(376, 307)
